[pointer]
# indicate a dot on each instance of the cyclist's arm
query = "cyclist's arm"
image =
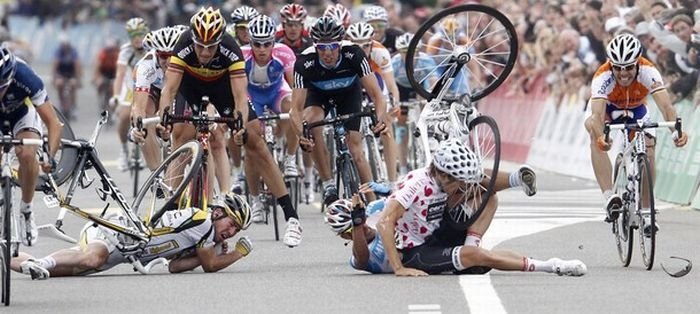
(138, 107)
(172, 83)
(239, 87)
(210, 262)
(598, 116)
(663, 101)
(390, 82)
(119, 79)
(360, 251)
(48, 116)
(386, 228)
(297, 109)
(369, 82)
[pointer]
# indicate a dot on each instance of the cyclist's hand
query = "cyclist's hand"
(113, 102)
(139, 137)
(680, 141)
(163, 131)
(240, 137)
(395, 111)
(244, 246)
(306, 144)
(602, 144)
(356, 201)
(409, 272)
(378, 188)
(224, 247)
(382, 122)
(48, 165)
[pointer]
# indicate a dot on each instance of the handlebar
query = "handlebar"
(639, 126)
(340, 119)
(274, 116)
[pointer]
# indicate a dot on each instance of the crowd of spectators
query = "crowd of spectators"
(562, 41)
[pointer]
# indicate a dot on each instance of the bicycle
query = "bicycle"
(9, 234)
(346, 170)
(492, 46)
(374, 147)
(182, 179)
(634, 182)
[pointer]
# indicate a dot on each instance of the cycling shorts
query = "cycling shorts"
(30, 121)
(345, 103)
(218, 91)
(269, 100)
(614, 115)
(92, 234)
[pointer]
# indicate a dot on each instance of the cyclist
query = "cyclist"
(148, 83)
(339, 13)
(195, 241)
(334, 73)
(414, 213)
(380, 62)
(618, 92)
(269, 67)
(208, 62)
(122, 94)
(379, 19)
(295, 35)
(67, 74)
(239, 24)
(25, 105)
(105, 71)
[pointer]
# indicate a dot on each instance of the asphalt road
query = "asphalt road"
(564, 220)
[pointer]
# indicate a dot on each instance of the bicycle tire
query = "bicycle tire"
(349, 176)
(647, 245)
(483, 145)
(273, 204)
(433, 21)
(65, 163)
(135, 167)
(624, 239)
(372, 158)
(5, 253)
(156, 180)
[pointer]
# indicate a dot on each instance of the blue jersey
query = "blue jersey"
(66, 58)
(378, 263)
(26, 89)
(424, 64)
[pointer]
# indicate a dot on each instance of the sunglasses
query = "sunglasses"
(293, 24)
(163, 55)
(628, 67)
(376, 25)
(327, 46)
(262, 44)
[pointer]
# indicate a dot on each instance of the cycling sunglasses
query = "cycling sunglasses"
(163, 55)
(265, 44)
(206, 46)
(620, 68)
(327, 46)
(375, 25)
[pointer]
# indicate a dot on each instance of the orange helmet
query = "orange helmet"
(208, 26)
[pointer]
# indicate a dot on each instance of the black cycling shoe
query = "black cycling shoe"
(330, 194)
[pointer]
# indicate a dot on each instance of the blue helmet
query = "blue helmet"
(8, 65)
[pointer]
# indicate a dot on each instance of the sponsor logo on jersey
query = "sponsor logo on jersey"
(435, 209)
(184, 52)
(604, 86)
(349, 55)
(228, 53)
(164, 247)
(308, 64)
(655, 84)
(335, 84)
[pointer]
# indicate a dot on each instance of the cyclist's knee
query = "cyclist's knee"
(94, 257)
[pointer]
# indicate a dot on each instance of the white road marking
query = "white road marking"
(423, 307)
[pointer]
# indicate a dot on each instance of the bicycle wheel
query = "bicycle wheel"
(647, 215)
(5, 255)
(65, 157)
(484, 140)
(164, 186)
(349, 176)
(374, 159)
(474, 44)
(621, 226)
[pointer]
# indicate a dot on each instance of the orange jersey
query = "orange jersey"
(647, 82)
(380, 58)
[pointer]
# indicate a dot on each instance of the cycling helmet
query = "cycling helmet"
(8, 65)
(181, 27)
(163, 39)
(339, 13)
(337, 216)
(136, 26)
(237, 208)
(454, 158)
(261, 29)
(624, 49)
(207, 26)
(360, 31)
(242, 15)
(293, 13)
(326, 29)
(403, 40)
(375, 13)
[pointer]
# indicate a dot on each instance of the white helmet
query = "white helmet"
(454, 158)
(243, 14)
(337, 216)
(360, 31)
(163, 39)
(403, 40)
(624, 49)
(261, 29)
(375, 13)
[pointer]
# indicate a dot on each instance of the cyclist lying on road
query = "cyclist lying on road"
(195, 241)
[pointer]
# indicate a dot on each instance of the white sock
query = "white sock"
(328, 183)
(309, 174)
(47, 262)
(514, 179)
(607, 195)
(531, 264)
(235, 171)
(473, 239)
(25, 207)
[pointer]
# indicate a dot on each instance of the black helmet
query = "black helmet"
(327, 29)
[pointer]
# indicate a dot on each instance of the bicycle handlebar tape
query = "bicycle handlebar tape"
(678, 127)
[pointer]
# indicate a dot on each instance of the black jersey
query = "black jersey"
(390, 39)
(352, 65)
(228, 59)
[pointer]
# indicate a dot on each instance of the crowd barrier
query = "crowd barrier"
(87, 38)
(549, 134)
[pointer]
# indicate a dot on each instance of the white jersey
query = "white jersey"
(424, 201)
(148, 73)
(128, 56)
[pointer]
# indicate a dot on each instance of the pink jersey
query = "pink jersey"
(271, 74)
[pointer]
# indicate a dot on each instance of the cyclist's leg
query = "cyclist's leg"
(284, 104)
(28, 126)
(313, 112)
(354, 140)
(402, 139)
(151, 150)
(123, 114)
(651, 154)
(222, 167)
(58, 83)
(181, 134)
(602, 167)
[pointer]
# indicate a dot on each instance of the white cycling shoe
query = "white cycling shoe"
(27, 225)
(292, 235)
(258, 210)
(574, 267)
(32, 268)
(528, 180)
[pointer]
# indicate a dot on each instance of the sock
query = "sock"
(514, 179)
(531, 264)
(473, 239)
(607, 195)
(286, 203)
(25, 207)
(46, 262)
(309, 175)
(125, 149)
(235, 171)
(328, 183)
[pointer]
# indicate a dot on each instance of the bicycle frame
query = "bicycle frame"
(438, 123)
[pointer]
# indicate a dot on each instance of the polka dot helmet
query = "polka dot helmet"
(454, 158)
